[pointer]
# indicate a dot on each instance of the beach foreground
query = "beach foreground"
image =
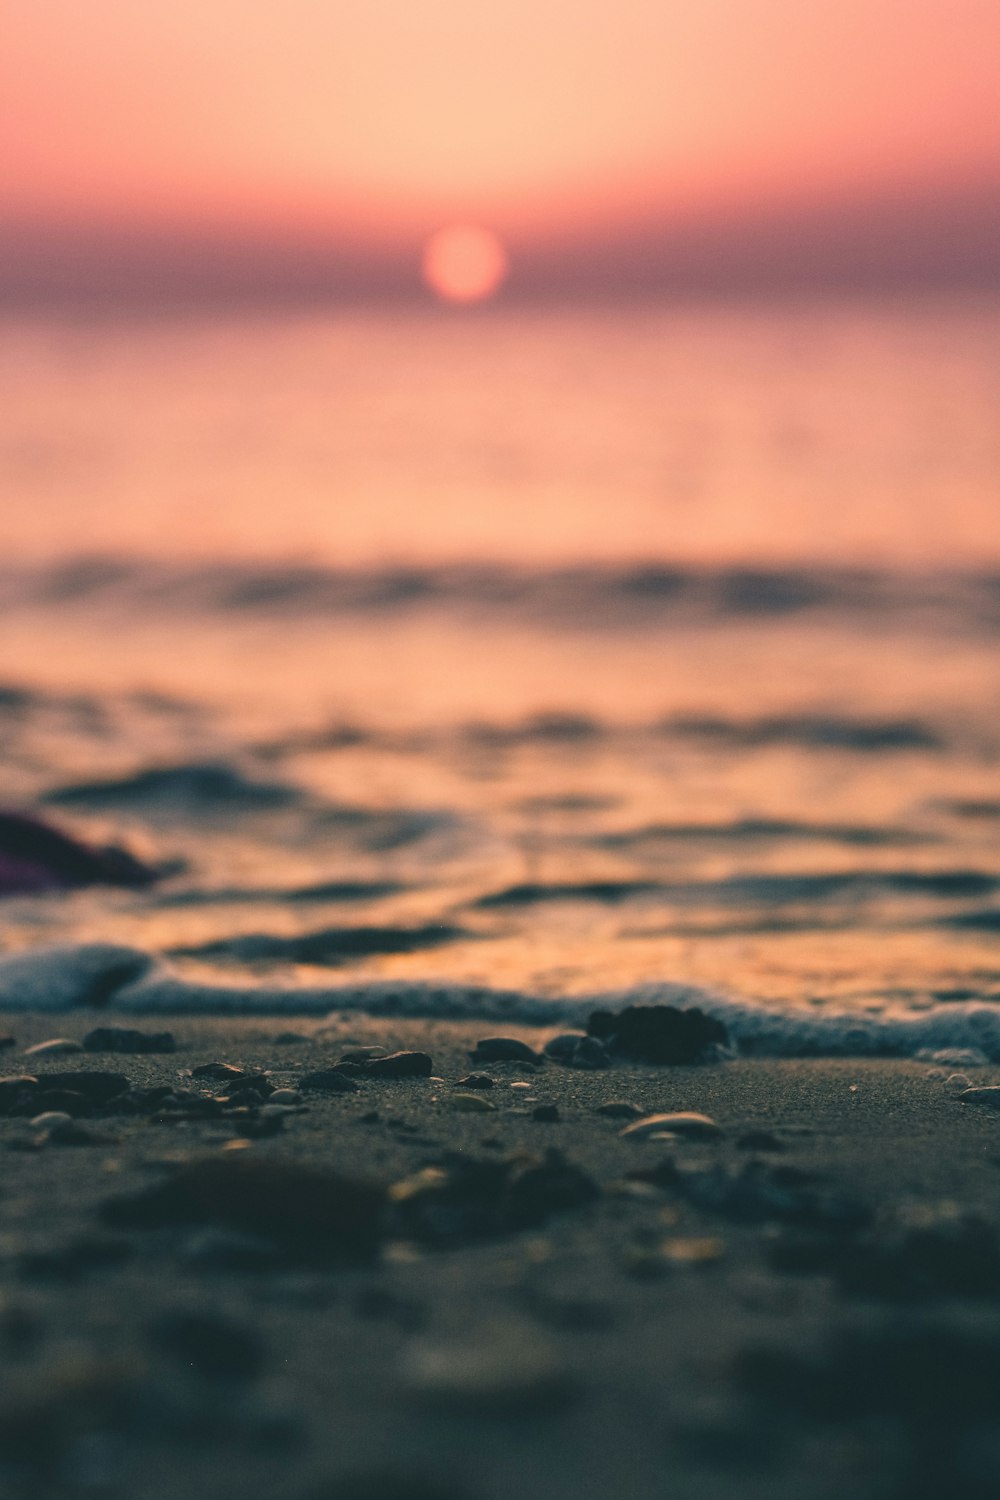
(199, 1298)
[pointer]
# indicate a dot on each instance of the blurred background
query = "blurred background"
(569, 431)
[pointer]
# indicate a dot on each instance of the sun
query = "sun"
(464, 263)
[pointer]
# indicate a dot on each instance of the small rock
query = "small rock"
(329, 1081)
(362, 1055)
(124, 1039)
(687, 1123)
(563, 1046)
(314, 1213)
(574, 1051)
(990, 1097)
(401, 1065)
(96, 1088)
(52, 1048)
(504, 1049)
(476, 1081)
(546, 1113)
(226, 1072)
(286, 1097)
(659, 1033)
(619, 1109)
(50, 1120)
(472, 1104)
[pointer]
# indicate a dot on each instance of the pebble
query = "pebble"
(476, 1081)
(699, 1127)
(314, 1213)
(50, 1119)
(53, 1047)
(473, 1104)
(285, 1096)
(401, 1065)
(659, 1033)
(504, 1049)
(988, 1096)
(226, 1072)
(125, 1039)
(578, 1051)
(328, 1081)
(504, 1370)
(619, 1109)
(96, 1087)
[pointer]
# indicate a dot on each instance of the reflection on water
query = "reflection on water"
(643, 690)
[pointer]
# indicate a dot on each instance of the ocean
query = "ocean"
(484, 663)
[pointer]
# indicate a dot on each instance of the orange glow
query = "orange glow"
(370, 124)
(464, 263)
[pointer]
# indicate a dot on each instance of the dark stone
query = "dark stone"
(313, 1213)
(215, 1347)
(574, 1051)
(224, 1072)
(467, 1199)
(35, 857)
(97, 1088)
(401, 1065)
(329, 1081)
(476, 1081)
(548, 1113)
(757, 1191)
(659, 1033)
(123, 1039)
(504, 1049)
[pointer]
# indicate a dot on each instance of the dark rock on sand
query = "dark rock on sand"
(988, 1097)
(125, 1039)
(476, 1081)
(577, 1051)
(401, 1065)
(214, 1347)
(225, 1072)
(313, 1213)
(329, 1081)
(97, 1088)
(659, 1033)
(619, 1109)
(504, 1049)
(36, 857)
(755, 1191)
(465, 1199)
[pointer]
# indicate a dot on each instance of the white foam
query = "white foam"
(119, 979)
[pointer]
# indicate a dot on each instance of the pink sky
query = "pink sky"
(328, 131)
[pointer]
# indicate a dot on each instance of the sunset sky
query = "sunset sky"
(320, 142)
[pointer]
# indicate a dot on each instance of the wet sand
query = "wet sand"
(804, 1304)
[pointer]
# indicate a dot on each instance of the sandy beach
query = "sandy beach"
(801, 1302)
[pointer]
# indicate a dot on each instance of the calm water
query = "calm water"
(566, 652)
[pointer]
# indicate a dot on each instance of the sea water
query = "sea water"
(485, 663)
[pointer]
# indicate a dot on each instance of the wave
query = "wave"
(127, 980)
(580, 595)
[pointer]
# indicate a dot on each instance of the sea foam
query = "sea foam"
(127, 980)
